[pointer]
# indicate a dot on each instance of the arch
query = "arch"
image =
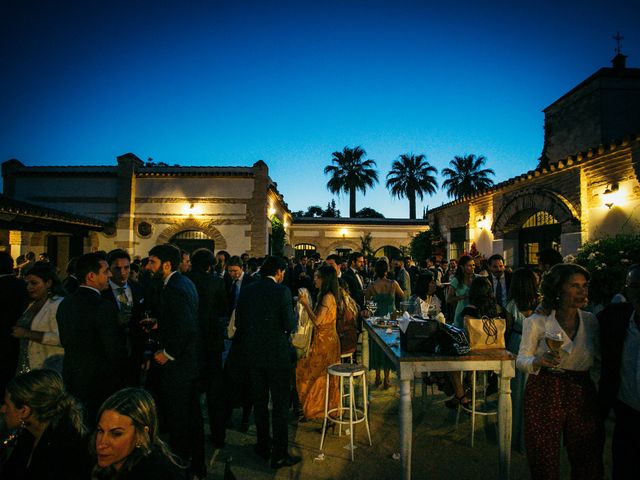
(390, 251)
(193, 224)
(519, 208)
(343, 244)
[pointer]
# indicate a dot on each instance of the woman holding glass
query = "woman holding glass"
(37, 328)
(311, 370)
(458, 293)
(557, 350)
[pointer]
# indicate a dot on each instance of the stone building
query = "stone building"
(142, 205)
(585, 187)
(387, 236)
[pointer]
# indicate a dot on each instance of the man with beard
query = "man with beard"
(174, 373)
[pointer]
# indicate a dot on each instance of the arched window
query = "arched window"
(190, 240)
(539, 219)
(304, 249)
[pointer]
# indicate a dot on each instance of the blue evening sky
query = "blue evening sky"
(231, 82)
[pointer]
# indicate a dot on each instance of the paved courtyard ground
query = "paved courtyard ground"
(440, 451)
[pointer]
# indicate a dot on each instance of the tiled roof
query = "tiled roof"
(11, 207)
(358, 221)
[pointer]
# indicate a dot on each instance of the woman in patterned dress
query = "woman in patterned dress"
(562, 404)
(311, 370)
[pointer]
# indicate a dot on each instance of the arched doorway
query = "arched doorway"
(388, 251)
(304, 249)
(540, 231)
(191, 240)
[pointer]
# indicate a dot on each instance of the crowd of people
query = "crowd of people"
(123, 350)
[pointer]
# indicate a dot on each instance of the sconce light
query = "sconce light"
(609, 200)
(191, 207)
(343, 232)
(482, 222)
(272, 211)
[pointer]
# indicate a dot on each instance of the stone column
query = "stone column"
(125, 235)
(257, 210)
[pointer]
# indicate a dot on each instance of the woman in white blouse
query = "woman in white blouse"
(425, 303)
(560, 397)
(37, 328)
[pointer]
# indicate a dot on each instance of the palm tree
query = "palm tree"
(467, 176)
(351, 173)
(411, 175)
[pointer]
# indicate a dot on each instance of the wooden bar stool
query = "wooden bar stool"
(356, 415)
(346, 356)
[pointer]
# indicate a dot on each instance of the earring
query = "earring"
(23, 424)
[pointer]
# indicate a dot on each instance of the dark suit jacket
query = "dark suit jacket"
(61, 453)
(70, 284)
(178, 332)
(264, 320)
(94, 347)
(355, 290)
(246, 280)
(134, 332)
(13, 301)
(507, 282)
(614, 322)
(212, 306)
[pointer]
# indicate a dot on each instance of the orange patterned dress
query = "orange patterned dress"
(311, 371)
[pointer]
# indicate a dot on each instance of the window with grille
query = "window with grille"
(539, 219)
(191, 235)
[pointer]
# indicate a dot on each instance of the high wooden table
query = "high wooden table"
(409, 364)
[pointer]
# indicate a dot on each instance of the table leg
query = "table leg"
(504, 427)
(406, 427)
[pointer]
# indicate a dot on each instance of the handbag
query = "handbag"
(433, 338)
(420, 336)
(485, 333)
(301, 338)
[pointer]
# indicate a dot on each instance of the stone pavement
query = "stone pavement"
(440, 452)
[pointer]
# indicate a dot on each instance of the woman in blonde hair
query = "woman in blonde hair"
(127, 441)
(50, 443)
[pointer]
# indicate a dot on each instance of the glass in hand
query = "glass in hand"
(554, 341)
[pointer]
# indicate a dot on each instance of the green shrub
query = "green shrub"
(608, 259)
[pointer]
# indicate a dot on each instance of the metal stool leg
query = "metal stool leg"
(473, 406)
(351, 412)
(341, 405)
(366, 408)
(326, 410)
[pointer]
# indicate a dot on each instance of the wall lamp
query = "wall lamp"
(609, 200)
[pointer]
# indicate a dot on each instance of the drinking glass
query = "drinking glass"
(554, 341)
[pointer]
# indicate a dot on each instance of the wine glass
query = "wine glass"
(372, 307)
(554, 341)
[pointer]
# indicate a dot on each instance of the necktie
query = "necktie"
(499, 293)
(125, 308)
(236, 292)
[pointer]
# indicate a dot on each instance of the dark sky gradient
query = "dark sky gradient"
(228, 83)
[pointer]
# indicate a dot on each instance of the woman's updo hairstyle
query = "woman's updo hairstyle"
(43, 392)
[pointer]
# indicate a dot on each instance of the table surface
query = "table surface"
(391, 343)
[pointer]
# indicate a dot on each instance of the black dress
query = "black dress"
(61, 454)
(154, 466)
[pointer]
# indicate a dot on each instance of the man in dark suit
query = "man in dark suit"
(95, 351)
(354, 279)
(176, 362)
(128, 297)
(71, 283)
(302, 276)
(212, 310)
(13, 301)
(500, 279)
(619, 386)
(239, 280)
(264, 321)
